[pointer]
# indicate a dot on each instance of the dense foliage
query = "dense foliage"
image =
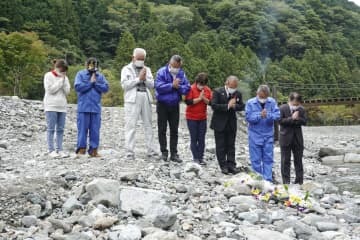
(309, 45)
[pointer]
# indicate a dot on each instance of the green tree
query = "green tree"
(124, 50)
(24, 57)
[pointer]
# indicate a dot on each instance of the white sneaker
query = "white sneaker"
(63, 154)
(54, 154)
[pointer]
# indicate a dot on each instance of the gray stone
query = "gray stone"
(192, 167)
(140, 201)
(350, 218)
(27, 134)
(333, 160)
(3, 144)
(217, 215)
(72, 204)
(162, 216)
(334, 235)
(77, 236)
(34, 209)
(301, 229)
(128, 176)
(105, 222)
(328, 151)
(352, 158)
(264, 234)
(60, 224)
(129, 232)
(243, 203)
(2, 226)
(192, 237)
(181, 188)
(278, 215)
(104, 191)
(28, 221)
(318, 193)
(326, 226)
(161, 235)
(312, 219)
(251, 217)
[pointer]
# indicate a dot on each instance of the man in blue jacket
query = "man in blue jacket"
(170, 85)
(89, 85)
(261, 112)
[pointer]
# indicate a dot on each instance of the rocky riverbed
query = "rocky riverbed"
(113, 198)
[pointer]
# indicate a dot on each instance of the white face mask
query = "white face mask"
(262, 100)
(174, 70)
(200, 87)
(231, 90)
(294, 108)
(139, 63)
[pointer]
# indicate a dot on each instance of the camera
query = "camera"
(92, 65)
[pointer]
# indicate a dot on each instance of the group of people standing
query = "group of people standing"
(171, 87)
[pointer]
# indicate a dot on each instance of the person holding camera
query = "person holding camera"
(57, 86)
(292, 117)
(89, 85)
(137, 81)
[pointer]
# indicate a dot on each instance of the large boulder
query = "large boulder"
(104, 191)
(352, 158)
(148, 203)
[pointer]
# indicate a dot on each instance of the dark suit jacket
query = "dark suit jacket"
(222, 116)
(290, 129)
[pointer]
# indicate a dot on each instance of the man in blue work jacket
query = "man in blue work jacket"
(89, 85)
(261, 112)
(170, 85)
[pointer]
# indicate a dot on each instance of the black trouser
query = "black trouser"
(168, 114)
(225, 148)
(297, 150)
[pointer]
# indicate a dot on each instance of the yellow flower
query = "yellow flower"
(266, 197)
(228, 184)
(255, 191)
(295, 199)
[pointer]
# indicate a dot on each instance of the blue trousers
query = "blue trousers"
(262, 156)
(88, 124)
(55, 121)
(197, 131)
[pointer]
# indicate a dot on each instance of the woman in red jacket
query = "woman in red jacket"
(196, 115)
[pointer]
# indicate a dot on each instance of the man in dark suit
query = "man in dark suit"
(225, 102)
(292, 117)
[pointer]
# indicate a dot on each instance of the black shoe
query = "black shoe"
(175, 158)
(225, 171)
(234, 170)
(164, 156)
(298, 182)
(201, 162)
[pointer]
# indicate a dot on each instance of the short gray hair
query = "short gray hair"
(139, 50)
(176, 58)
(232, 78)
(264, 88)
